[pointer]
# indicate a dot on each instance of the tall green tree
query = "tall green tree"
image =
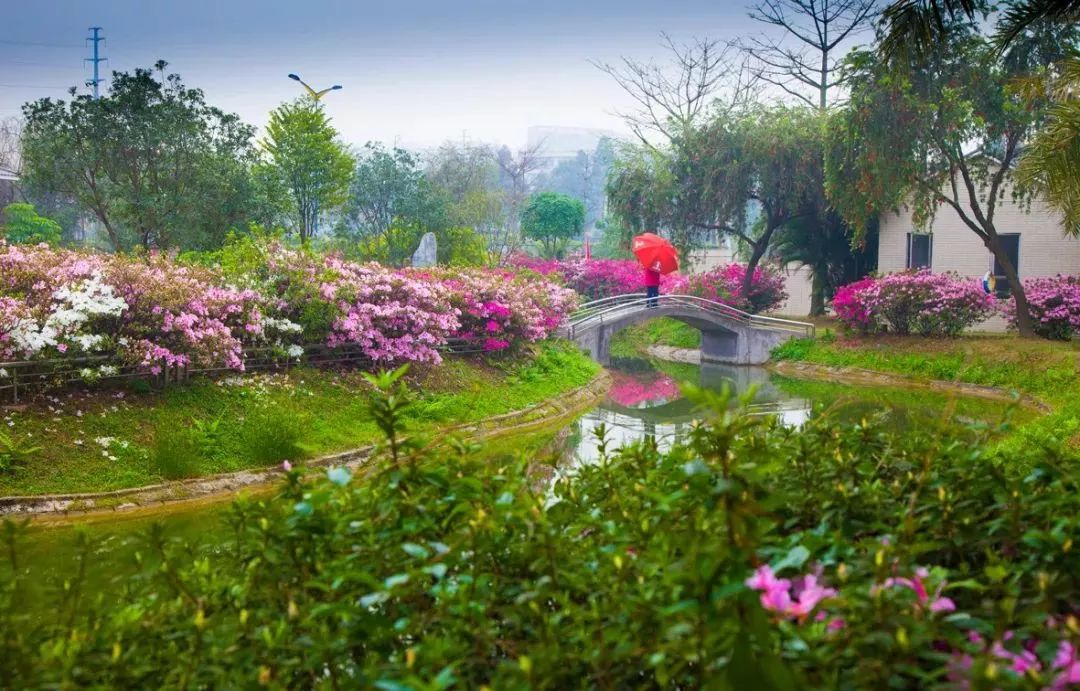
(21, 224)
(1051, 163)
(764, 164)
(389, 191)
(306, 158)
(466, 177)
(152, 161)
(552, 219)
(941, 130)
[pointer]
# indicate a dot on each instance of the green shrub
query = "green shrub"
(912, 561)
(272, 435)
(12, 453)
(175, 453)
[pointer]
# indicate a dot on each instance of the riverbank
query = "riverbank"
(97, 442)
(1037, 374)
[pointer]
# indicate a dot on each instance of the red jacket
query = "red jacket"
(652, 278)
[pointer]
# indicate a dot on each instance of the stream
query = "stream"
(644, 400)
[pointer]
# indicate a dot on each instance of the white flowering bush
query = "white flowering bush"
(152, 312)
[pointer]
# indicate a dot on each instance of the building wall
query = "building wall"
(1044, 251)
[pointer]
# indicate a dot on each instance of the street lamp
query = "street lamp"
(317, 95)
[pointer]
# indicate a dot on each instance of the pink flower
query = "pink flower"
(286, 466)
(923, 599)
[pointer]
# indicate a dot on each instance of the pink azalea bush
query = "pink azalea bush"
(498, 308)
(1054, 304)
(724, 284)
(598, 278)
(153, 312)
(918, 301)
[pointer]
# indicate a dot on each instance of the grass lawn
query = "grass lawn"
(95, 441)
(633, 341)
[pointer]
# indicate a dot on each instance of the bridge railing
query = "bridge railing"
(597, 312)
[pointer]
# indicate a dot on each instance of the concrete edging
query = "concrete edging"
(225, 485)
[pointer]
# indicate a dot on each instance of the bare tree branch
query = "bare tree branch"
(805, 55)
(701, 76)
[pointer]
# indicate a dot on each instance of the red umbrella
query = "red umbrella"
(654, 252)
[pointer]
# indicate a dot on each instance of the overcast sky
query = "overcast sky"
(414, 72)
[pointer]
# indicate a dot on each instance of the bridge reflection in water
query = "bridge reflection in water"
(630, 414)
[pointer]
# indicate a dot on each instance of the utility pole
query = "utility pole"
(97, 38)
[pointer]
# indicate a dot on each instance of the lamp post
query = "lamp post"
(316, 95)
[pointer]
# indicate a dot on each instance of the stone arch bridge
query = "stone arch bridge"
(728, 335)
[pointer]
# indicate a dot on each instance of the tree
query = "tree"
(307, 159)
(583, 177)
(11, 129)
(1051, 162)
(940, 130)
(23, 226)
(701, 76)
(552, 219)
(804, 61)
(467, 178)
(821, 241)
(515, 171)
(151, 160)
(389, 189)
(721, 176)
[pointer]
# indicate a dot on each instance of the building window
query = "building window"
(1010, 242)
(919, 250)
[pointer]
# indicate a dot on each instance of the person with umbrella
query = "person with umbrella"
(657, 256)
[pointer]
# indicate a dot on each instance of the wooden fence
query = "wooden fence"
(22, 379)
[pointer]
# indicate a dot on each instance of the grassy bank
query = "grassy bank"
(1046, 370)
(96, 441)
(634, 341)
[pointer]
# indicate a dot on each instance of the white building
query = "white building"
(1032, 236)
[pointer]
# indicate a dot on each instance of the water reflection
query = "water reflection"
(645, 401)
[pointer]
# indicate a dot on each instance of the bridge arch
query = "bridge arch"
(728, 335)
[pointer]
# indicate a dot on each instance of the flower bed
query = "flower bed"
(152, 312)
(919, 301)
(1054, 304)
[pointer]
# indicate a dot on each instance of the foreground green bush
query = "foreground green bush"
(895, 561)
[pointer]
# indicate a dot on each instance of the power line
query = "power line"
(97, 38)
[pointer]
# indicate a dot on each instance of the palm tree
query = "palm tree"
(1052, 160)
(822, 243)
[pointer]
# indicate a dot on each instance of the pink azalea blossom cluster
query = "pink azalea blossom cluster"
(794, 599)
(499, 308)
(1022, 660)
(599, 278)
(923, 599)
(152, 311)
(1054, 304)
(147, 310)
(632, 392)
(916, 301)
(724, 284)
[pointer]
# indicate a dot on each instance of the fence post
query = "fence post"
(14, 384)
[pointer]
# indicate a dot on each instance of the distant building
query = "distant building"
(556, 144)
(9, 187)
